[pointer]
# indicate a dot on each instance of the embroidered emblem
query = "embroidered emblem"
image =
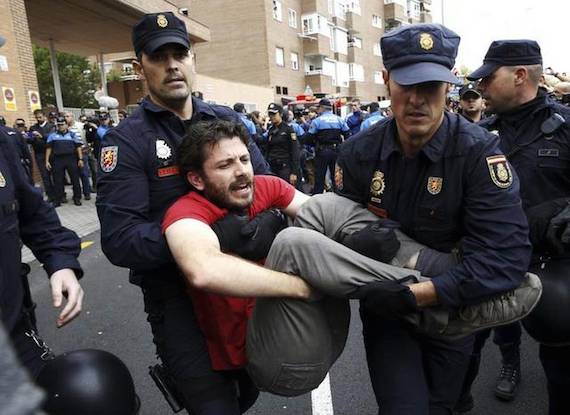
(338, 176)
(163, 152)
(426, 41)
(2, 180)
(377, 185)
(109, 156)
(294, 136)
(161, 20)
(434, 185)
(168, 171)
(500, 171)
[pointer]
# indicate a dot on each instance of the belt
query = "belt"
(331, 145)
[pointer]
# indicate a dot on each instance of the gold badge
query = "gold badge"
(161, 20)
(338, 176)
(434, 185)
(426, 41)
(500, 171)
(377, 185)
(2, 180)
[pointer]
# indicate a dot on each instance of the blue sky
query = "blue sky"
(479, 22)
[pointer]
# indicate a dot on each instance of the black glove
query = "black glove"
(539, 221)
(558, 232)
(377, 240)
(387, 299)
(228, 230)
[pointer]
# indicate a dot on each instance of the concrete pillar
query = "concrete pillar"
(55, 74)
(103, 76)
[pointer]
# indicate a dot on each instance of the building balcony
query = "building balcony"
(425, 17)
(353, 22)
(316, 44)
(319, 82)
(395, 11)
(355, 55)
(315, 6)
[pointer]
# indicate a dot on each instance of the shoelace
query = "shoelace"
(510, 373)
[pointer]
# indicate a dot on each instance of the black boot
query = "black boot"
(508, 382)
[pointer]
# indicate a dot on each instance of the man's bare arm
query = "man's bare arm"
(293, 207)
(196, 250)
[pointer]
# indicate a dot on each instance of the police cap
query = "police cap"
(471, 87)
(420, 53)
(60, 120)
(157, 29)
(325, 103)
(508, 53)
(274, 108)
(239, 107)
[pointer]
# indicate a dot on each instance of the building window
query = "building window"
(377, 21)
(355, 42)
(332, 38)
(315, 24)
(278, 90)
(330, 6)
(285, 90)
(292, 18)
(355, 72)
(277, 10)
(280, 56)
(294, 61)
(378, 77)
(376, 49)
(353, 6)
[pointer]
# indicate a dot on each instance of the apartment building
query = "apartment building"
(325, 46)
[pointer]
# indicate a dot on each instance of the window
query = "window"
(355, 42)
(332, 38)
(355, 72)
(294, 61)
(330, 6)
(292, 18)
(377, 21)
(341, 40)
(277, 10)
(342, 74)
(353, 6)
(378, 77)
(339, 9)
(280, 56)
(376, 49)
(315, 24)
(278, 90)
(285, 90)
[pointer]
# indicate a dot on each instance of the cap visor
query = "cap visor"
(153, 44)
(421, 72)
(272, 111)
(483, 71)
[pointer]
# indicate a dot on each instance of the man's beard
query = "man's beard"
(221, 195)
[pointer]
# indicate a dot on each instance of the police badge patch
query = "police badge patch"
(500, 171)
(434, 185)
(2, 180)
(426, 41)
(109, 157)
(338, 177)
(377, 184)
(163, 151)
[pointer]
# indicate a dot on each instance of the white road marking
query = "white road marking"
(321, 398)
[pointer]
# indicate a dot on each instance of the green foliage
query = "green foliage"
(114, 75)
(79, 80)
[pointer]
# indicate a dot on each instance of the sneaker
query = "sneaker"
(508, 382)
(497, 311)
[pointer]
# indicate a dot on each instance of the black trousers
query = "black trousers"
(59, 165)
(182, 349)
(46, 175)
(413, 374)
(556, 364)
(325, 159)
(281, 168)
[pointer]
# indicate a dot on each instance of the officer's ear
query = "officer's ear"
(520, 75)
(137, 66)
(386, 77)
(195, 179)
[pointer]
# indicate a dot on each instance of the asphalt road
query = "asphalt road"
(113, 319)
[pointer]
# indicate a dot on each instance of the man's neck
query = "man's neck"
(473, 116)
(184, 112)
(412, 145)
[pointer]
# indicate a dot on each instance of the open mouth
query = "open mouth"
(241, 188)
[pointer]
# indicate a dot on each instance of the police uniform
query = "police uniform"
(39, 147)
(282, 147)
(535, 137)
(457, 193)
(327, 132)
(138, 180)
(25, 216)
(64, 157)
(372, 119)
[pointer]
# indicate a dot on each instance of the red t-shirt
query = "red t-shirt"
(223, 319)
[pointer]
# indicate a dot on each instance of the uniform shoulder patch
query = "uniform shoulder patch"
(2, 180)
(500, 171)
(109, 157)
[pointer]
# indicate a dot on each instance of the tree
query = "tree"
(79, 80)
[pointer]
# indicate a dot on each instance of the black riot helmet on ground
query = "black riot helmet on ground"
(88, 382)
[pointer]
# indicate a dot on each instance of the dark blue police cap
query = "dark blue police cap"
(508, 53)
(420, 53)
(470, 87)
(325, 103)
(157, 29)
(274, 108)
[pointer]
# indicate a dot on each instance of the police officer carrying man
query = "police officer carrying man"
(447, 184)
(282, 146)
(138, 180)
(63, 152)
(534, 134)
(327, 132)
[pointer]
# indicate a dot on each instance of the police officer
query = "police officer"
(534, 134)
(326, 132)
(449, 186)
(282, 146)
(240, 109)
(39, 132)
(355, 118)
(25, 216)
(471, 102)
(63, 153)
(373, 118)
(138, 180)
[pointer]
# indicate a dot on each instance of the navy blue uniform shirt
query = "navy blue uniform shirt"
(457, 191)
(327, 129)
(543, 165)
(24, 215)
(138, 180)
